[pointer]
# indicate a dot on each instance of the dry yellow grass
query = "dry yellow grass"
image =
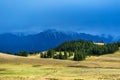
(106, 67)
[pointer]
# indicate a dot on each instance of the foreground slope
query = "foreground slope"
(104, 61)
(10, 59)
(93, 61)
(106, 67)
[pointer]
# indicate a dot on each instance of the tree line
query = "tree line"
(22, 53)
(80, 49)
(76, 50)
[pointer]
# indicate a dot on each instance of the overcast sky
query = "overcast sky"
(32, 16)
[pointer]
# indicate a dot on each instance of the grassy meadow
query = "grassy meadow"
(105, 67)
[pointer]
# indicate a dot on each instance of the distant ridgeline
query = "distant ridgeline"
(44, 40)
(80, 49)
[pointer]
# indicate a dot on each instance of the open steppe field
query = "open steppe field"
(106, 67)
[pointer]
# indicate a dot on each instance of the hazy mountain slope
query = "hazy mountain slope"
(43, 40)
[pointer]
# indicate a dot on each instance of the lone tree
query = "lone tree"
(23, 53)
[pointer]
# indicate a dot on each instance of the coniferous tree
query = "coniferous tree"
(56, 56)
(75, 56)
(65, 55)
(42, 55)
(78, 56)
(45, 55)
(80, 49)
(50, 53)
(60, 55)
(70, 54)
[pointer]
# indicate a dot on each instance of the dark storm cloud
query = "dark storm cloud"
(91, 16)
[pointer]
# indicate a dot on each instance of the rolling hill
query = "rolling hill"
(90, 62)
(105, 67)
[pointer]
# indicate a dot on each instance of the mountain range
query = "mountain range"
(44, 40)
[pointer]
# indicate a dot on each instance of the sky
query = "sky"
(86, 16)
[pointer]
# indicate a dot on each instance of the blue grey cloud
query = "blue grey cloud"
(90, 16)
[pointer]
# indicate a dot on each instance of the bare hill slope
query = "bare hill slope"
(105, 61)
(106, 67)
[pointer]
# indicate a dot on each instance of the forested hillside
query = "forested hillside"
(80, 49)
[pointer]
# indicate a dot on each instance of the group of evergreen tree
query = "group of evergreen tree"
(61, 56)
(56, 55)
(22, 53)
(25, 53)
(88, 47)
(78, 56)
(72, 46)
(79, 49)
(105, 49)
(48, 54)
(82, 49)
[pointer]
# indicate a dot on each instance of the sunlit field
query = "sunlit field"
(106, 67)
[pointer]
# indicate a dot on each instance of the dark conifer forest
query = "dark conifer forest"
(80, 49)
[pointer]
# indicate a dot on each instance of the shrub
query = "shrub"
(23, 53)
